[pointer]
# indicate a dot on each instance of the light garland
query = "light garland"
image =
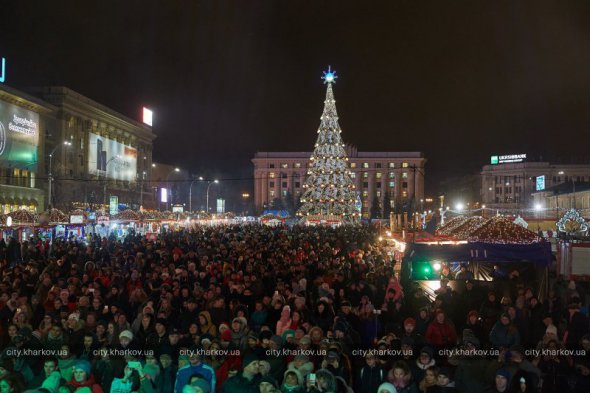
(572, 222)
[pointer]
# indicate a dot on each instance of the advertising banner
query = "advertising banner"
(111, 159)
(19, 137)
(113, 205)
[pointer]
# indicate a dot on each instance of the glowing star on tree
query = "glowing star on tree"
(329, 76)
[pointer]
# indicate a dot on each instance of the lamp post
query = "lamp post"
(175, 170)
(190, 193)
(209, 182)
(104, 190)
(141, 189)
(66, 143)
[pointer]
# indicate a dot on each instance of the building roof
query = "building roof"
(567, 188)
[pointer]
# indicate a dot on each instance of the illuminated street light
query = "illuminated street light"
(66, 143)
(459, 206)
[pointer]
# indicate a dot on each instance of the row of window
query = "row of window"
(378, 175)
(377, 165)
(556, 179)
(508, 190)
(272, 194)
(391, 184)
(17, 177)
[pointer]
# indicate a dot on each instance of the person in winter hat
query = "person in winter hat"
(83, 378)
(386, 387)
(292, 382)
(371, 376)
(424, 361)
(285, 321)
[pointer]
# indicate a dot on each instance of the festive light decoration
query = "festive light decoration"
(501, 230)
(498, 229)
(329, 189)
(520, 221)
(572, 222)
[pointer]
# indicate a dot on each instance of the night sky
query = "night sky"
(458, 80)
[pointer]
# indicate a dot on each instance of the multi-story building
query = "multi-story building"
(511, 185)
(23, 122)
(107, 154)
(400, 175)
(570, 195)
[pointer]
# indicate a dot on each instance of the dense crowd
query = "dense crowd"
(257, 309)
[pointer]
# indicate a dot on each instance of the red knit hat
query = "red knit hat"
(226, 335)
(410, 321)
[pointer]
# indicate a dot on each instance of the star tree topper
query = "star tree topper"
(329, 76)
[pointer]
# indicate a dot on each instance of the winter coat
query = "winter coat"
(503, 336)
(240, 384)
(89, 383)
(441, 335)
(369, 379)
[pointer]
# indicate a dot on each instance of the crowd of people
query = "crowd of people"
(252, 308)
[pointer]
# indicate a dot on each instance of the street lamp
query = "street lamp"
(190, 193)
(209, 182)
(175, 170)
(66, 143)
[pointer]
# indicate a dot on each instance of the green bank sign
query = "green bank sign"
(19, 137)
(507, 159)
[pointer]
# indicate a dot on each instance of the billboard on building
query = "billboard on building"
(540, 184)
(19, 137)
(113, 205)
(220, 206)
(112, 159)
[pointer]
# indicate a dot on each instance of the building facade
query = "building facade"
(512, 185)
(23, 121)
(107, 154)
(399, 175)
(570, 195)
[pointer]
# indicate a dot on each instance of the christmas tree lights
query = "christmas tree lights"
(329, 189)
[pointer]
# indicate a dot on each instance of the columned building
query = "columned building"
(398, 174)
(107, 154)
(512, 185)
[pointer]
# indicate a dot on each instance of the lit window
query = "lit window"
(392, 175)
(365, 175)
(353, 175)
(284, 193)
(378, 194)
(405, 175)
(365, 194)
(284, 165)
(271, 175)
(392, 164)
(365, 164)
(297, 165)
(272, 193)
(405, 165)
(405, 194)
(378, 175)
(353, 164)
(391, 184)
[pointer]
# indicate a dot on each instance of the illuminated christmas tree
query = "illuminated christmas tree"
(329, 191)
